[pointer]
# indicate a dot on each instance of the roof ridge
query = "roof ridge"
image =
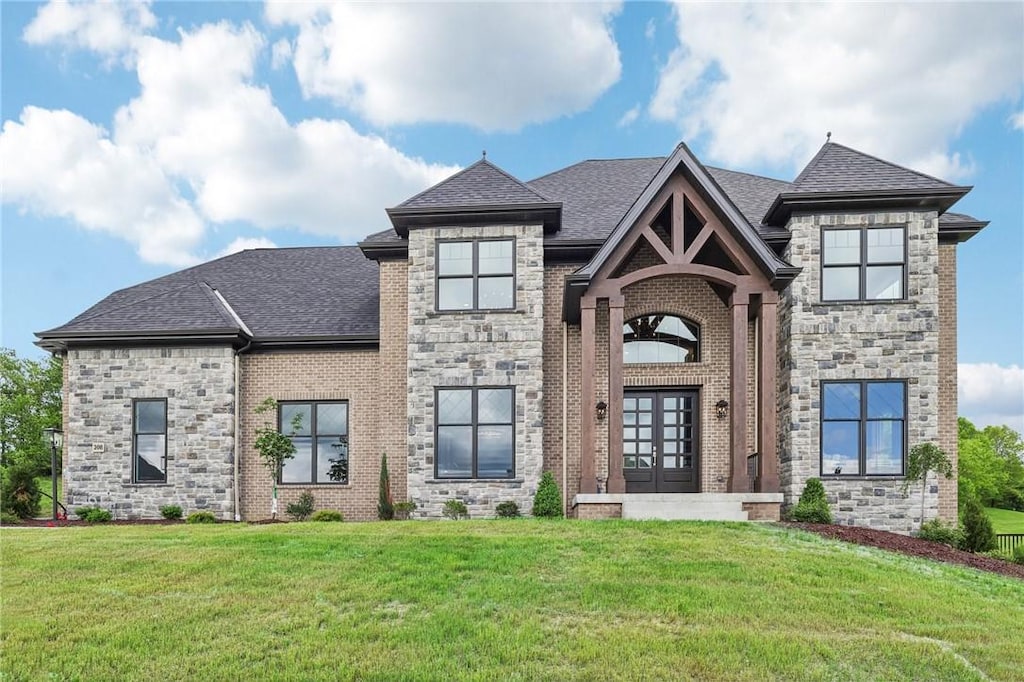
(583, 161)
(748, 174)
(894, 165)
(448, 179)
(212, 295)
(813, 163)
(514, 179)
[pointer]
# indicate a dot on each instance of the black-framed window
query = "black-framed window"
(863, 428)
(319, 431)
(149, 440)
(476, 275)
(863, 264)
(475, 433)
(660, 338)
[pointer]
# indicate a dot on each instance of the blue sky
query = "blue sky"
(140, 138)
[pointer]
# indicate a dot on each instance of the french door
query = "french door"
(660, 441)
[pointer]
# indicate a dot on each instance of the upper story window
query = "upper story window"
(149, 440)
(863, 427)
(863, 264)
(660, 338)
(476, 275)
(319, 431)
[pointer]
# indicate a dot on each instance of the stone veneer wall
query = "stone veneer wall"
(198, 383)
(476, 349)
(824, 341)
(350, 375)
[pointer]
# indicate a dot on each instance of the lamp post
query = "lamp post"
(56, 441)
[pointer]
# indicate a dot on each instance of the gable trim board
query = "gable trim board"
(358, 324)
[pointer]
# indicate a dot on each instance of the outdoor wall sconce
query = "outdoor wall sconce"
(602, 410)
(722, 409)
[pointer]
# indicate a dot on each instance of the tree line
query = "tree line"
(991, 465)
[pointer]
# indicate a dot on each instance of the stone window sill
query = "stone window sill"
(884, 301)
(313, 485)
(451, 481)
(881, 478)
(147, 485)
(436, 314)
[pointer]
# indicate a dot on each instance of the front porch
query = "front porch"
(746, 506)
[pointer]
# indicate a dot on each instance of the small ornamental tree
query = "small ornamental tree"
(925, 458)
(547, 501)
(813, 505)
(977, 527)
(385, 503)
(274, 447)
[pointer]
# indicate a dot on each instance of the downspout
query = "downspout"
(565, 415)
(757, 393)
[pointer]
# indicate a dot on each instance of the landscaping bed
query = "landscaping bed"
(912, 546)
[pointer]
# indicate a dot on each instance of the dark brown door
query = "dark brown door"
(660, 441)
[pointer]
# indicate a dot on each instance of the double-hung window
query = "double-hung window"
(476, 275)
(863, 428)
(319, 431)
(149, 440)
(863, 264)
(475, 432)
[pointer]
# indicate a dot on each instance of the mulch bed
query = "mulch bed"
(50, 523)
(912, 546)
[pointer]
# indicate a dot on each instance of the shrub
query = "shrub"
(20, 494)
(507, 510)
(1001, 554)
(978, 533)
(1018, 555)
(936, 531)
(547, 501)
(385, 503)
(455, 510)
(813, 505)
(93, 514)
(301, 509)
(404, 509)
(201, 517)
(8, 519)
(327, 515)
(170, 512)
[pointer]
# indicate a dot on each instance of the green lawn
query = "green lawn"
(1006, 521)
(525, 600)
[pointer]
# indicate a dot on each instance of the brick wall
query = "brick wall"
(947, 377)
(316, 375)
(391, 390)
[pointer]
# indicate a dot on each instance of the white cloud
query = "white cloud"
(108, 28)
(245, 243)
(991, 394)
(762, 83)
(203, 144)
(630, 117)
(56, 163)
(651, 29)
(1017, 120)
(281, 54)
(493, 66)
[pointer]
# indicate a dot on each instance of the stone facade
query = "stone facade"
(878, 340)
(452, 349)
(198, 384)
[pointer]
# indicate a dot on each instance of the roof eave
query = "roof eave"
(335, 341)
(55, 341)
(960, 232)
(787, 203)
(547, 213)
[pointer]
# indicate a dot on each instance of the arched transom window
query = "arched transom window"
(660, 338)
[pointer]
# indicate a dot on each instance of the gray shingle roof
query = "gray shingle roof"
(277, 293)
(482, 184)
(836, 168)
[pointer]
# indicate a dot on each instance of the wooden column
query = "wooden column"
(616, 483)
(588, 312)
(767, 399)
(738, 480)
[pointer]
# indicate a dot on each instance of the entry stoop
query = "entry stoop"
(680, 506)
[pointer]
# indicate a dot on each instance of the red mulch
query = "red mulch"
(913, 546)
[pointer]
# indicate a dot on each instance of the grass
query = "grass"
(479, 600)
(1005, 520)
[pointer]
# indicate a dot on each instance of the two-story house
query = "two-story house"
(668, 339)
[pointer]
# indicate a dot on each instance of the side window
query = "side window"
(476, 275)
(863, 264)
(474, 437)
(319, 431)
(149, 440)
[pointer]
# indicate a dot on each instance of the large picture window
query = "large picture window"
(476, 275)
(319, 431)
(475, 433)
(149, 440)
(660, 338)
(863, 264)
(863, 428)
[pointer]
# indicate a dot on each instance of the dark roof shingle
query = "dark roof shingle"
(481, 184)
(836, 168)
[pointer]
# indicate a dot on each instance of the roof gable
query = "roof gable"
(837, 168)
(481, 184)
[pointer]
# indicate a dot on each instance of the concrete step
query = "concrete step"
(680, 510)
